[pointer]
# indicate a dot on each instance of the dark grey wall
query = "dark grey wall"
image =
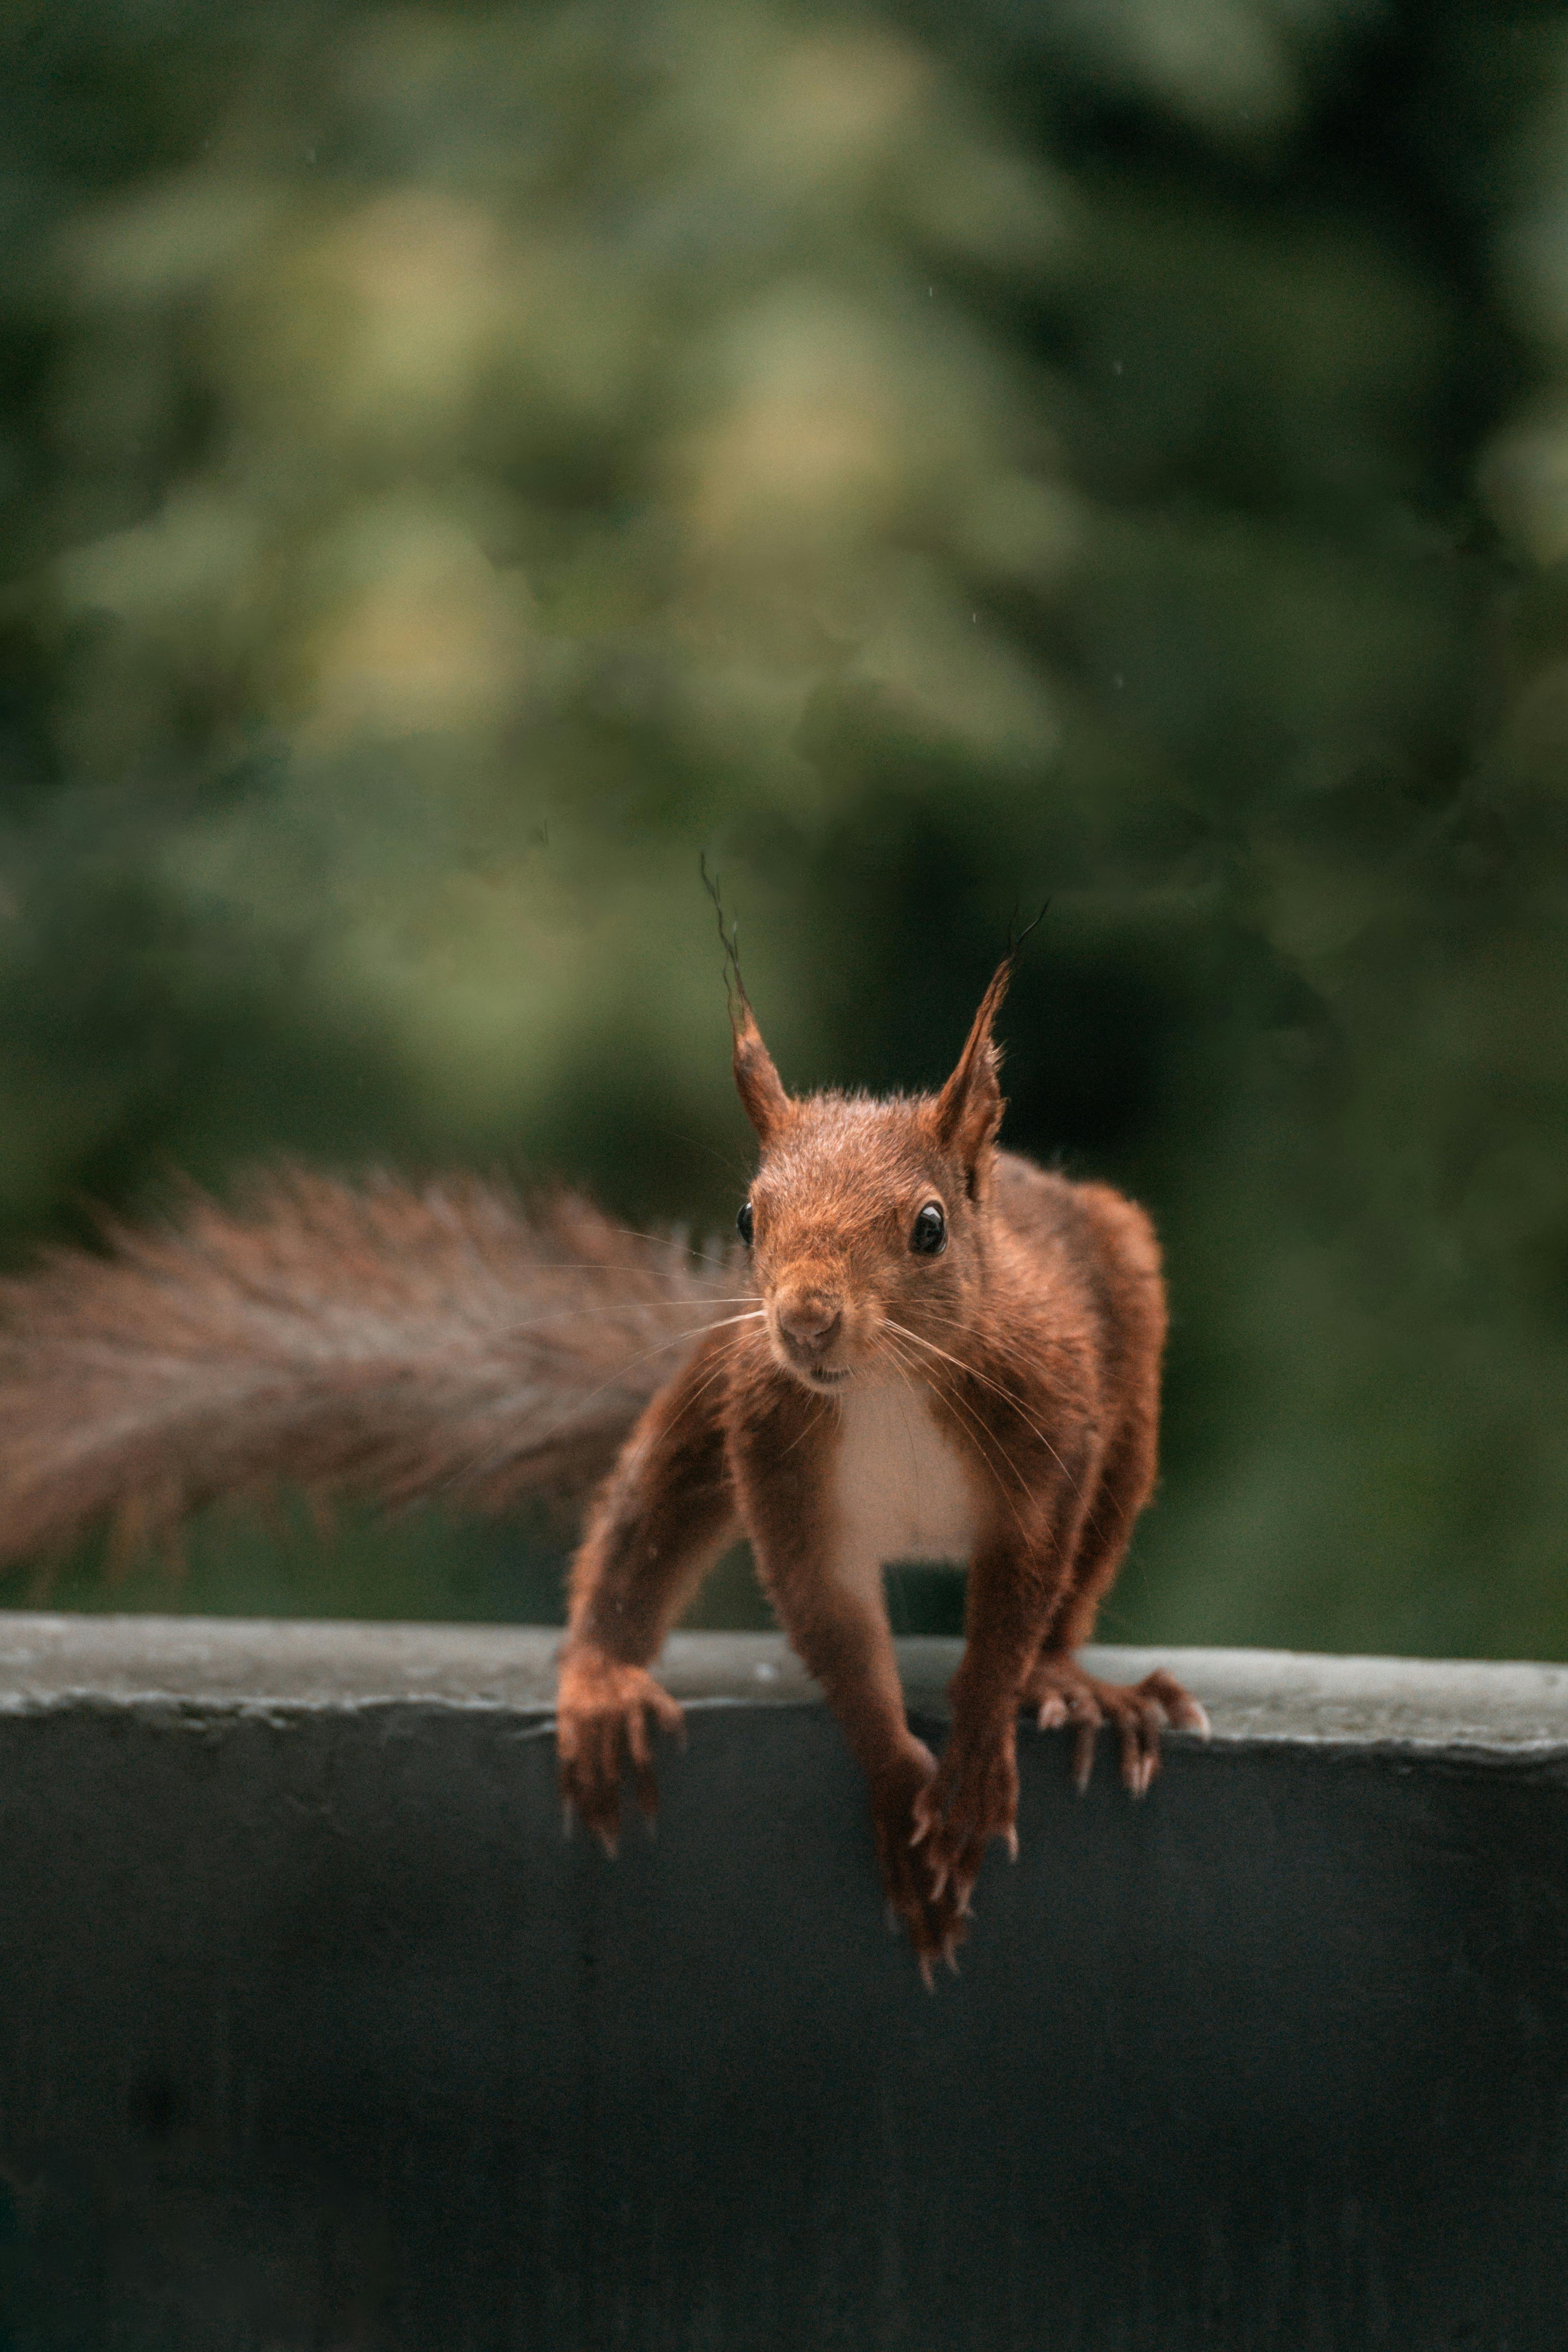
(314, 2033)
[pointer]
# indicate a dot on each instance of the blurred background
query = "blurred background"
(462, 463)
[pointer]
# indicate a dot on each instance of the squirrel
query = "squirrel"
(923, 1346)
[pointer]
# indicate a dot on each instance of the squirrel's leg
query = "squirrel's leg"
(661, 1520)
(1056, 1690)
(1016, 1577)
(833, 1609)
(827, 1593)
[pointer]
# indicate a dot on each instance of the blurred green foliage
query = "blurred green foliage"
(461, 463)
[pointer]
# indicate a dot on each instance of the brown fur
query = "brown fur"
(842, 1399)
(1033, 1342)
(396, 1342)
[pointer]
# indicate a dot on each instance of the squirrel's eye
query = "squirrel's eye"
(929, 1232)
(744, 1222)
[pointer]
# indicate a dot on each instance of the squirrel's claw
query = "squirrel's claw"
(919, 1900)
(1062, 1695)
(602, 1729)
(972, 1800)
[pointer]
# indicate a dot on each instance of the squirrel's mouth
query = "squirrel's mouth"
(821, 1377)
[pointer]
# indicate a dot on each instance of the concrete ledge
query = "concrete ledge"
(1417, 1703)
(315, 2033)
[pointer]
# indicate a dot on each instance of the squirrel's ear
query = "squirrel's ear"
(968, 1112)
(760, 1090)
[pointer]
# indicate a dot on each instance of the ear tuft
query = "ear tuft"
(757, 1082)
(968, 1112)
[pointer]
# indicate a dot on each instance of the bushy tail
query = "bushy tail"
(446, 1340)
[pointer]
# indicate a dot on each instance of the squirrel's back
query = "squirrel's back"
(1105, 1240)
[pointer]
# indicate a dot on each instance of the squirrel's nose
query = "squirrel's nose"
(809, 1319)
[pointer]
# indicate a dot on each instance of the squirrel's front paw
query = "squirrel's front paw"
(601, 1713)
(972, 1799)
(933, 1920)
(1058, 1692)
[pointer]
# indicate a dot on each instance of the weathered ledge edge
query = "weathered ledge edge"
(1511, 1712)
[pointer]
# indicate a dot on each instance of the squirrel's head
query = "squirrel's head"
(866, 1222)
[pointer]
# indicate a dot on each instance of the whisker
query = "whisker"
(1090, 1521)
(903, 1365)
(813, 1423)
(718, 1372)
(909, 1367)
(887, 1346)
(569, 1311)
(910, 1377)
(493, 1460)
(547, 1266)
(672, 1243)
(984, 1439)
(971, 1371)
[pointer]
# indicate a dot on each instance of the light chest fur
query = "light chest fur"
(900, 1488)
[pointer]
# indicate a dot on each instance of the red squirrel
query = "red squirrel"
(954, 1354)
(926, 1348)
